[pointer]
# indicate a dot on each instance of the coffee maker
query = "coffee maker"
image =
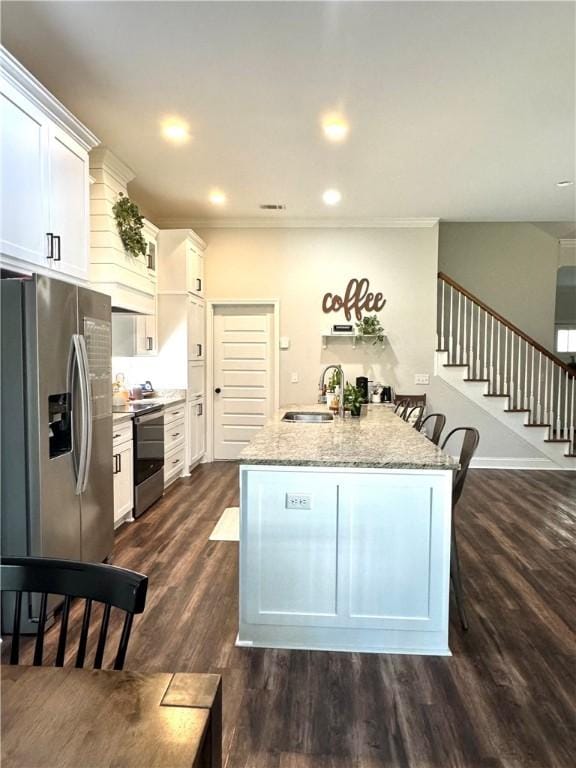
(386, 395)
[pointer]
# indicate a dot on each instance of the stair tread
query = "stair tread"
(455, 365)
(487, 380)
(536, 424)
(517, 410)
(490, 394)
(557, 440)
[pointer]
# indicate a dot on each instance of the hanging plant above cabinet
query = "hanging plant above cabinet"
(370, 327)
(129, 224)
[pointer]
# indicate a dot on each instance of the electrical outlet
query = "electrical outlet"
(298, 501)
(421, 378)
(294, 378)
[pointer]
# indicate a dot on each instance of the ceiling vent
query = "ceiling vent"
(272, 207)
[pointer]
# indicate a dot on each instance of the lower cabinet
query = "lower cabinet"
(196, 431)
(174, 443)
(123, 471)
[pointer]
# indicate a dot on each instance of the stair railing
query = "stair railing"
(512, 363)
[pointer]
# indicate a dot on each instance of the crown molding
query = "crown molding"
(302, 223)
(102, 158)
(26, 84)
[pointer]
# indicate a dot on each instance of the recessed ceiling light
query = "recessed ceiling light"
(175, 130)
(565, 183)
(335, 127)
(331, 197)
(217, 197)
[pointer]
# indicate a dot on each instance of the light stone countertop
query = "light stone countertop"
(118, 417)
(378, 439)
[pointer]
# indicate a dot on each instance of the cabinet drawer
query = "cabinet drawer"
(173, 435)
(173, 465)
(174, 413)
(122, 432)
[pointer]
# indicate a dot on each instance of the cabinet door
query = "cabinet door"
(123, 481)
(24, 136)
(196, 323)
(194, 270)
(196, 431)
(69, 204)
(201, 425)
(146, 335)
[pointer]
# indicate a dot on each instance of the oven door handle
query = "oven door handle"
(149, 417)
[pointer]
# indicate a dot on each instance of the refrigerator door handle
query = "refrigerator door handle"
(75, 374)
(87, 410)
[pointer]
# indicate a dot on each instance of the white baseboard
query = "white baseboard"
(514, 463)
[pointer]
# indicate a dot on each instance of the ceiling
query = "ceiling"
(458, 110)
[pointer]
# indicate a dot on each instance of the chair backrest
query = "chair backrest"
(414, 415)
(438, 425)
(401, 406)
(107, 584)
(470, 440)
(412, 399)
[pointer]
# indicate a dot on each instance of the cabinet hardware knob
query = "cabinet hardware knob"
(217, 390)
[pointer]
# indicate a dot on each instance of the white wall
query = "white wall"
(298, 266)
(510, 266)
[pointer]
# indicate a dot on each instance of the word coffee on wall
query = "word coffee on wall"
(357, 299)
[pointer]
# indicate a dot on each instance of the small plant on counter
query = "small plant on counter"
(129, 224)
(353, 399)
(370, 326)
(334, 381)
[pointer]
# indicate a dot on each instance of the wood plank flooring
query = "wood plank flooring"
(504, 700)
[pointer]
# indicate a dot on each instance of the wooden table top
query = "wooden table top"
(100, 718)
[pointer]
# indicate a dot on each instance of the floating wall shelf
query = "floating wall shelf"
(355, 337)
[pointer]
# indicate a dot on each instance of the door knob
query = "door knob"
(217, 390)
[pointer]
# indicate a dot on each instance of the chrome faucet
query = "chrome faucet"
(321, 385)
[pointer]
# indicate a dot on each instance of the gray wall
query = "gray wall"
(510, 266)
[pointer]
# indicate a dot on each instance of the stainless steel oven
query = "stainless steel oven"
(148, 460)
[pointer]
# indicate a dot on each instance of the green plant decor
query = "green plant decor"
(334, 381)
(129, 224)
(353, 399)
(370, 326)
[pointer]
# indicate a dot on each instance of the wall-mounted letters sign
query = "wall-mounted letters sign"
(357, 298)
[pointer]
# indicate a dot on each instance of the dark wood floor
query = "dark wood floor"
(505, 699)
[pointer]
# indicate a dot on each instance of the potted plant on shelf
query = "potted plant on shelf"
(370, 327)
(353, 400)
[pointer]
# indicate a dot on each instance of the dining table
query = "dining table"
(55, 717)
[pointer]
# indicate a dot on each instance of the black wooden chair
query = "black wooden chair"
(438, 422)
(401, 407)
(470, 440)
(107, 584)
(414, 416)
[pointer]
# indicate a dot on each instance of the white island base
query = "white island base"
(362, 565)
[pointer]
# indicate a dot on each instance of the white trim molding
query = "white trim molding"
(210, 305)
(505, 462)
(102, 158)
(297, 223)
(24, 82)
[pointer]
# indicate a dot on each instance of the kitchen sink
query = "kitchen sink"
(310, 417)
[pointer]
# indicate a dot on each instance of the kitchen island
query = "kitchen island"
(345, 536)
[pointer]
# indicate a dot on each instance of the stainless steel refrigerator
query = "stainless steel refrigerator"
(56, 429)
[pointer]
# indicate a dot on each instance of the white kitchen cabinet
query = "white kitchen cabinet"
(181, 264)
(69, 201)
(196, 431)
(44, 176)
(196, 328)
(134, 335)
(345, 559)
(123, 472)
(174, 442)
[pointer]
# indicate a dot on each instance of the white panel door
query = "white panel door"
(243, 371)
(24, 134)
(69, 203)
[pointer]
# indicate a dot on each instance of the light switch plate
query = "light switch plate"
(294, 378)
(421, 378)
(284, 342)
(298, 501)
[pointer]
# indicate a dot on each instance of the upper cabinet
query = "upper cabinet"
(44, 176)
(181, 262)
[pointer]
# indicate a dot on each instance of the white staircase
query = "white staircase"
(506, 373)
